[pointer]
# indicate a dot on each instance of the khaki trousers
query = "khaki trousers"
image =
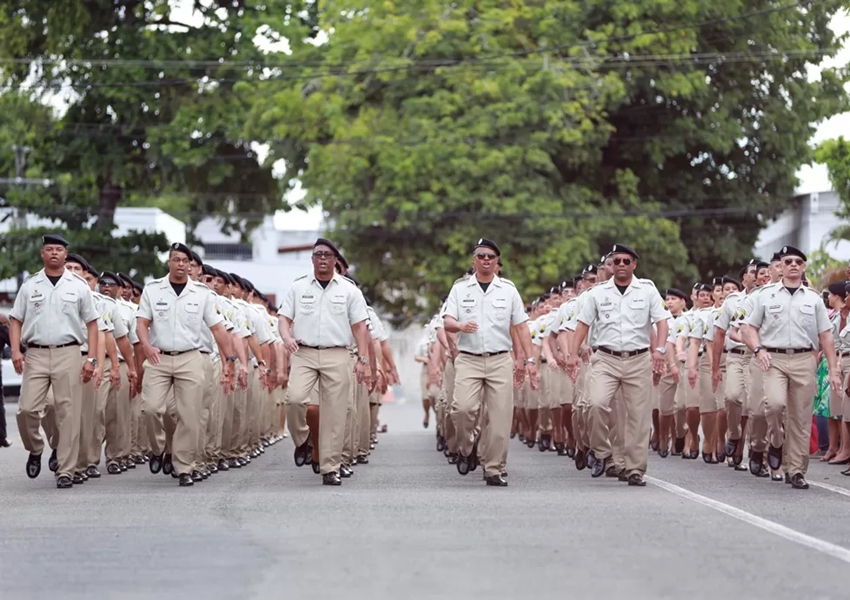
(225, 435)
(634, 377)
(617, 423)
(88, 415)
(209, 384)
(182, 375)
(364, 420)
(449, 375)
(296, 416)
(116, 415)
(350, 415)
(102, 395)
(213, 435)
(737, 384)
(330, 369)
(789, 389)
(139, 439)
(488, 381)
(667, 390)
(237, 423)
(756, 408)
(707, 401)
(249, 422)
(580, 427)
(58, 369)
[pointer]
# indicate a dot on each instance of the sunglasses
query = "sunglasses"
(622, 261)
(323, 254)
(794, 261)
(485, 256)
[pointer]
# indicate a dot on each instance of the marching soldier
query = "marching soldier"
(482, 311)
(53, 315)
(172, 312)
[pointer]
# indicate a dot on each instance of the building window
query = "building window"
(228, 251)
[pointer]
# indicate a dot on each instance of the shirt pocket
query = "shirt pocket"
(69, 302)
(162, 311)
(338, 305)
(192, 310)
(498, 310)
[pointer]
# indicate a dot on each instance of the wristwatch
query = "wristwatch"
(262, 362)
(93, 361)
(363, 359)
(661, 350)
(231, 359)
(757, 349)
(529, 361)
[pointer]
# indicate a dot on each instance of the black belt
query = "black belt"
(623, 354)
(54, 347)
(322, 347)
(205, 352)
(737, 351)
(177, 352)
(84, 353)
(788, 351)
(843, 354)
(484, 355)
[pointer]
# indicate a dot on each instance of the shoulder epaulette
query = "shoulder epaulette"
(508, 281)
(302, 277)
(75, 275)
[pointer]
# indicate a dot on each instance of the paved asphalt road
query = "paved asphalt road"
(408, 526)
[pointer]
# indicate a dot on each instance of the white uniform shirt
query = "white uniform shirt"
(788, 322)
(379, 333)
(54, 315)
(177, 322)
(728, 318)
(494, 311)
(323, 317)
(623, 321)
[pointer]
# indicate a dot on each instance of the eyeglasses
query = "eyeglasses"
(794, 261)
(323, 254)
(485, 256)
(180, 261)
(622, 261)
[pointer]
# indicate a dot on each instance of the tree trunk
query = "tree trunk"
(110, 196)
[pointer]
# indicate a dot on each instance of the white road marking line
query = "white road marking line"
(782, 531)
(832, 488)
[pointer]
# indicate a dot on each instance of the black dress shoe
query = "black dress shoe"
(186, 480)
(653, 446)
(78, 479)
(345, 471)
(513, 434)
(496, 480)
(167, 465)
(4, 443)
(463, 466)
(664, 453)
(243, 461)
(196, 476)
(33, 466)
(473, 458)
(730, 447)
(679, 446)
(756, 462)
(113, 469)
(599, 467)
(441, 444)
(129, 464)
(222, 465)
(571, 452)
(720, 458)
(331, 479)
(316, 469)
(798, 482)
(740, 467)
(362, 460)
(452, 458)
(93, 473)
(622, 476)
(205, 474)
(774, 458)
(234, 464)
(763, 472)
(591, 459)
(581, 460)
(53, 462)
(213, 469)
(777, 477)
(787, 478)
(84, 476)
(636, 479)
(707, 458)
(612, 471)
(64, 482)
(846, 472)
(156, 464)
(122, 466)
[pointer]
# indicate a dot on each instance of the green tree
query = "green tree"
(835, 154)
(554, 128)
(151, 118)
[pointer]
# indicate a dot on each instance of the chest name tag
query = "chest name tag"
(468, 302)
(775, 308)
(69, 297)
(308, 299)
(500, 303)
(338, 299)
(37, 297)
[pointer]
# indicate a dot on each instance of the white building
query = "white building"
(807, 224)
(127, 219)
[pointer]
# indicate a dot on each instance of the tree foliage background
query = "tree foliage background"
(555, 128)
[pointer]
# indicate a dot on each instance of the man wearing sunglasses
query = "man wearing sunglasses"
(483, 311)
(787, 323)
(623, 310)
(321, 316)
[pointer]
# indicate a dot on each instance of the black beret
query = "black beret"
(469, 271)
(839, 288)
(567, 284)
(623, 249)
(703, 287)
(761, 265)
(590, 270)
(54, 239)
(247, 285)
(555, 289)
(328, 243)
(138, 286)
(76, 258)
(238, 280)
(696, 286)
(125, 280)
(716, 281)
(341, 259)
(677, 293)
(196, 258)
(791, 251)
(208, 270)
(226, 276)
(775, 257)
(92, 271)
(544, 297)
(726, 279)
(109, 278)
(746, 268)
(485, 243)
(178, 247)
(499, 262)
(577, 278)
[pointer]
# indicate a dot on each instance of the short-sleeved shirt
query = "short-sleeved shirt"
(54, 315)
(379, 332)
(323, 317)
(623, 321)
(177, 322)
(729, 318)
(787, 321)
(209, 343)
(494, 311)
